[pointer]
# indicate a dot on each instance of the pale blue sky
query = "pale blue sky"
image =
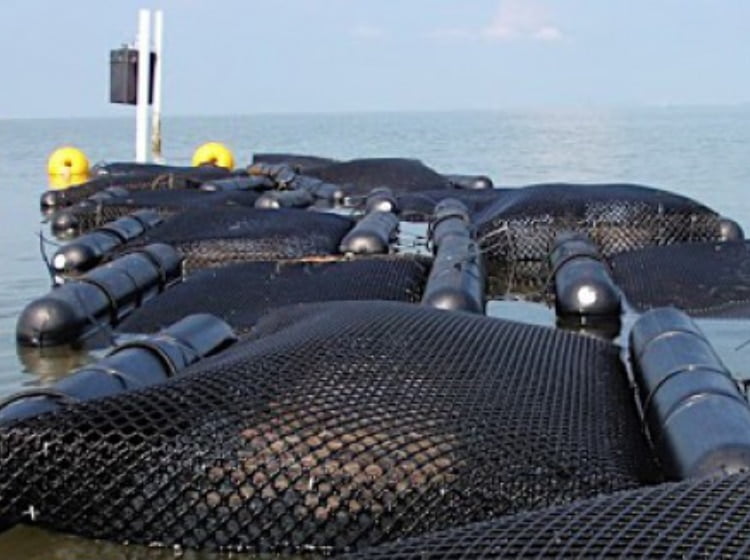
(243, 57)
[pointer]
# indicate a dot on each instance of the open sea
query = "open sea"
(700, 152)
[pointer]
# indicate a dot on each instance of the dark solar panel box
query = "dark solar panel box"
(123, 76)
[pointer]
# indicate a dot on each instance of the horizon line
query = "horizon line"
(508, 109)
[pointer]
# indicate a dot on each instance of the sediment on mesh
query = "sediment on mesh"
(241, 293)
(523, 222)
(695, 519)
(142, 180)
(337, 425)
(528, 279)
(419, 206)
(703, 279)
(360, 176)
(213, 236)
(167, 202)
(300, 163)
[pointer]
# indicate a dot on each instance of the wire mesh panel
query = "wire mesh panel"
(214, 236)
(242, 293)
(708, 518)
(336, 425)
(520, 227)
(703, 279)
(359, 176)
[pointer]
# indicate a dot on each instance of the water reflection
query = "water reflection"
(47, 365)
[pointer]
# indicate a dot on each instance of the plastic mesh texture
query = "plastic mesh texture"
(520, 227)
(359, 176)
(709, 518)
(419, 206)
(241, 293)
(140, 180)
(300, 163)
(167, 202)
(336, 425)
(703, 279)
(209, 237)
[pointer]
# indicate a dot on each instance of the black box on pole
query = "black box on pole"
(123, 76)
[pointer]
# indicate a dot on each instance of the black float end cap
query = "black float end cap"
(64, 224)
(50, 321)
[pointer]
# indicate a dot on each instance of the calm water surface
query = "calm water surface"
(703, 153)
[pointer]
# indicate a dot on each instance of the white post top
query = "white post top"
(144, 64)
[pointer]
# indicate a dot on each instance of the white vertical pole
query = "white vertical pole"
(141, 109)
(156, 108)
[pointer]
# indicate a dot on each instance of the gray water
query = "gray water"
(703, 153)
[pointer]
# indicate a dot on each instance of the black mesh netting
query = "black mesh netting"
(90, 215)
(242, 293)
(213, 236)
(142, 180)
(419, 206)
(300, 163)
(519, 228)
(703, 279)
(335, 425)
(707, 518)
(360, 176)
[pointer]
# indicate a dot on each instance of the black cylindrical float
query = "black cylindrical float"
(125, 168)
(457, 277)
(130, 366)
(64, 223)
(450, 217)
(471, 182)
(110, 193)
(698, 419)
(583, 284)
(65, 197)
(73, 311)
(371, 235)
(238, 183)
(281, 173)
(381, 199)
(729, 230)
(284, 199)
(88, 250)
(317, 188)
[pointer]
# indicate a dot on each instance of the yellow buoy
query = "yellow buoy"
(214, 153)
(68, 161)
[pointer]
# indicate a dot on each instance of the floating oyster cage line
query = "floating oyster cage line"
(302, 362)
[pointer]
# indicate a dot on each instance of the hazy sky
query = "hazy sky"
(238, 56)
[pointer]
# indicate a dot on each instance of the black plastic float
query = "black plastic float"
(130, 366)
(730, 230)
(281, 173)
(318, 189)
(58, 198)
(110, 193)
(237, 183)
(698, 419)
(470, 182)
(88, 250)
(73, 311)
(372, 234)
(285, 199)
(381, 199)
(457, 278)
(128, 168)
(583, 284)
